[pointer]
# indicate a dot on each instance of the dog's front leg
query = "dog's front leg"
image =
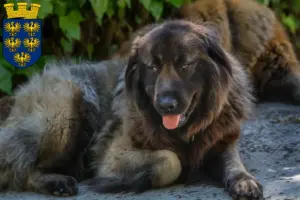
(238, 181)
(124, 168)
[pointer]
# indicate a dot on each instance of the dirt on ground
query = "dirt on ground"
(270, 149)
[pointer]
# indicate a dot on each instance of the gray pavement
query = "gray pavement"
(270, 149)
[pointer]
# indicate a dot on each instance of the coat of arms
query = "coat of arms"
(22, 34)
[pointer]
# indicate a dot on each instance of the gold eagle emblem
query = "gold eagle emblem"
(22, 58)
(31, 43)
(31, 28)
(12, 28)
(12, 44)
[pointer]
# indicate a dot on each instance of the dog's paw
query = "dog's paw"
(244, 187)
(62, 186)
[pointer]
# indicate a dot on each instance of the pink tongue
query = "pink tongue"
(171, 121)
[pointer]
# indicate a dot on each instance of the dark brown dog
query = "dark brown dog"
(179, 113)
(176, 110)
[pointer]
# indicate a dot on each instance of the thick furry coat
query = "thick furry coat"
(48, 126)
(111, 115)
(112, 121)
(215, 95)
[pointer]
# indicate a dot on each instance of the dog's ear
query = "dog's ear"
(217, 53)
(131, 74)
(133, 83)
(213, 45)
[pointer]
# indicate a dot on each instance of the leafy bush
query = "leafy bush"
(90, 29)
(94, 29)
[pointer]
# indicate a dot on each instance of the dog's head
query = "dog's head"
(176, 70)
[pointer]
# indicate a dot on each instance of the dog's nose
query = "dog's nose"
(167, 104)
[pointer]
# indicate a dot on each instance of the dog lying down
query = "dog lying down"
(172, 108)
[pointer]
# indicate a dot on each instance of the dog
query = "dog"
(47, 127)
(172, 109)
(179, 112)
(175, 108)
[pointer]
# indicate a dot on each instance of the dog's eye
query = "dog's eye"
(153, 68)
(188, 64)
(185, 66)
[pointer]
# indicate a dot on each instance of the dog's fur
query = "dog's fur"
(215, 95)
(109, 116)
(69, 117)
(48, 126)
(255, 36)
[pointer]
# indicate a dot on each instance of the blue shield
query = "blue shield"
(22, 41)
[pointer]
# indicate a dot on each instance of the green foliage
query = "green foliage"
(70, 25)
(288, 12)
(94, 29)
(100, 8)
(5, 80)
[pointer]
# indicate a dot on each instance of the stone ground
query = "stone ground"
(270, 149)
